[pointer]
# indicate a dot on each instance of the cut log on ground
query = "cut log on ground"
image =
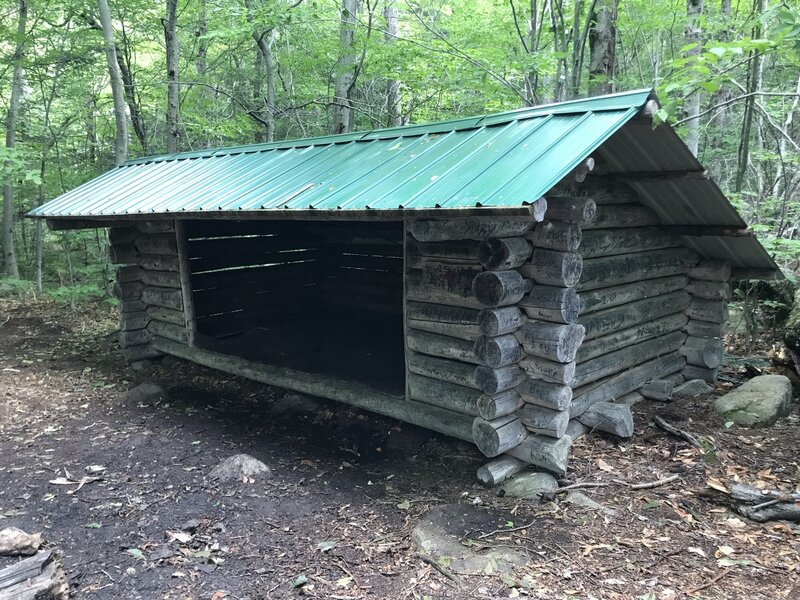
(554, 235)
(499, 321)
(553, 341)
(498, 435)
(544, 421)
(550, 267)
(499, 288)
(765, 505)
(39, 577)
(658, 389)
(474, 228)
(543, 393)
(498, 470)
(499, 254)
(546, 452)
(613, 418)
(499, 405)
(550, 303)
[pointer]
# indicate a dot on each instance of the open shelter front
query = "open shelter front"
(511, 280)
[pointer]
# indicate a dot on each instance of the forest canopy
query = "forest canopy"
(86, 84)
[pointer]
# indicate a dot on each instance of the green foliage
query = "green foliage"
(76, 294)
(19, 289)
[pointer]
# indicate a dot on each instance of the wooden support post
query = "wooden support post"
(185, 279)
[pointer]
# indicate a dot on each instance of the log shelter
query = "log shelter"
(505, 279)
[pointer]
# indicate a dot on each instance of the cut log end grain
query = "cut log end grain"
(497, 471)
(503, 253)
(552, 303)
(612, 418)
(499, 321)
(493, 381)
(499, 405)
(499, 351)
(498, 435)
(546, 452)
(550, 267)
(555, 235)
(546, 394)
(498, 288)
(658, 389)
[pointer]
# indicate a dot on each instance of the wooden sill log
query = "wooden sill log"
(548, 370)
(603, 298)
(712, 270)
(714, 311)
(499, 405)
(493, 381)
(705, 328)
(543, 393)
(550, 303)
(553, 341)
(608, 271)
(475, 228)
(498, 470)
(625, 337)
(611, 242)
(709, 290)
(498, 435)
(544, 421)
(500, 351)
(451, 371)
(549, 267)
(622, 317)
(500, 321)
(554, 235)
(615, 419)
(658, 389)
(610, 216)
(580, 211)
(546, 452)
(445, 395)
(704, 352)
(40, 577)
(498, 288)
(499, 254)
(442, 346)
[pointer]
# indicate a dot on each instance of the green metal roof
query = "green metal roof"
(504, 160)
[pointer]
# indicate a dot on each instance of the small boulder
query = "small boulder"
(758, 402)
(582, 500)
(692, 388)
(530, 486)
(145, 393)
(238, 466)
(15, 542)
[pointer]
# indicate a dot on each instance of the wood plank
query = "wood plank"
(626, 268)
(614, 319)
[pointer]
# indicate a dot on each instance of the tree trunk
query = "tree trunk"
(120, 120)
(173, 87)
(694, 9)
(753, 83)
(344, 80)
(9, 254)
(129, 87)
(602, 46)
(202, 42)
(265, 71)
(392, 85)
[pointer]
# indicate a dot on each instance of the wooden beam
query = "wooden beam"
(707, 230)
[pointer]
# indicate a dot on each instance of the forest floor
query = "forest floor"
(347, 487)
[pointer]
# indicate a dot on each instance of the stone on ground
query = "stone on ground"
(439, 533)
(757, 403)
(691, 389)
(238, 466)
(145, 393)
(582, 500)
(530, 486)
(295, 403)
(15, 542)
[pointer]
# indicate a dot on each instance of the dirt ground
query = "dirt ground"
(333, 520)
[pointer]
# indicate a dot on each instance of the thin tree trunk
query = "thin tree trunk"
(392, 85)
(91, 129)
(602, 47)
(173, 86)
(694, 9)
(345, 69)
(265, 71)
(753, 78)
(120, 120)
(532, 47)
(722, 116)
(129, 87)
(202, 43)
(9, 254)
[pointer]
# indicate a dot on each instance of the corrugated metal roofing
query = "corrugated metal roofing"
(504, 160)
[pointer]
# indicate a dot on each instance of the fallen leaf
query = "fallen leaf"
(717, 485)
(179, 536)
(327, 545)
(698, 551)
(136, 553)
(604, 466)
(404, 505)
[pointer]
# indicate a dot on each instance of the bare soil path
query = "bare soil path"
(347, 488)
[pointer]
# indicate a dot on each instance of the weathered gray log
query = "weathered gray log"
(459, 250)
(709, 290)
(609, 242)
(602, 298)
(498, 435)
(185, 282)
(544, 421)
(704, 328)
(128, 291)
(452, 371)
(498, 288)
(498, 470)
(612, 418)
(553, 341)
(440, 345)
(548, 370)
(499, 254)
(625, 382)
(159, 262)
(40, 577)
(550, 267)
(704, 352)
(423, 311)
(120, 236)
(157, 244)
(549, 303)
(499, 321)
(166, 226)
(167, 279)
(765, 505)
(472, 228)
(632, 398)
(617, 340)
(658, 389)
(134, 338)
(163, 297)
(546, 452)
(676, 379)
(571, 209)
(443, 283)
(133, 305)
(131, 321)
(493, 381)
(159, 313)
(555, 235)
(499, 405)
(129, 273)
(575, 430)
(122, 254)
(617, 318)
(610, 216)
(458, 330)
(176, 333)
(625, 268)
(714, 311)
(614, 362)
(580, 172)
(499, 351)
(456, 398)
(545, 394)
(712, 270)
(698, 372)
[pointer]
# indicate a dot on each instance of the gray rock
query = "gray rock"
(759, 402)
(692, 388)
(582, 500)
(439, 533)
(295, 403)
(191, 525)
(145, 393)
(236, 467)
(530, 485)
